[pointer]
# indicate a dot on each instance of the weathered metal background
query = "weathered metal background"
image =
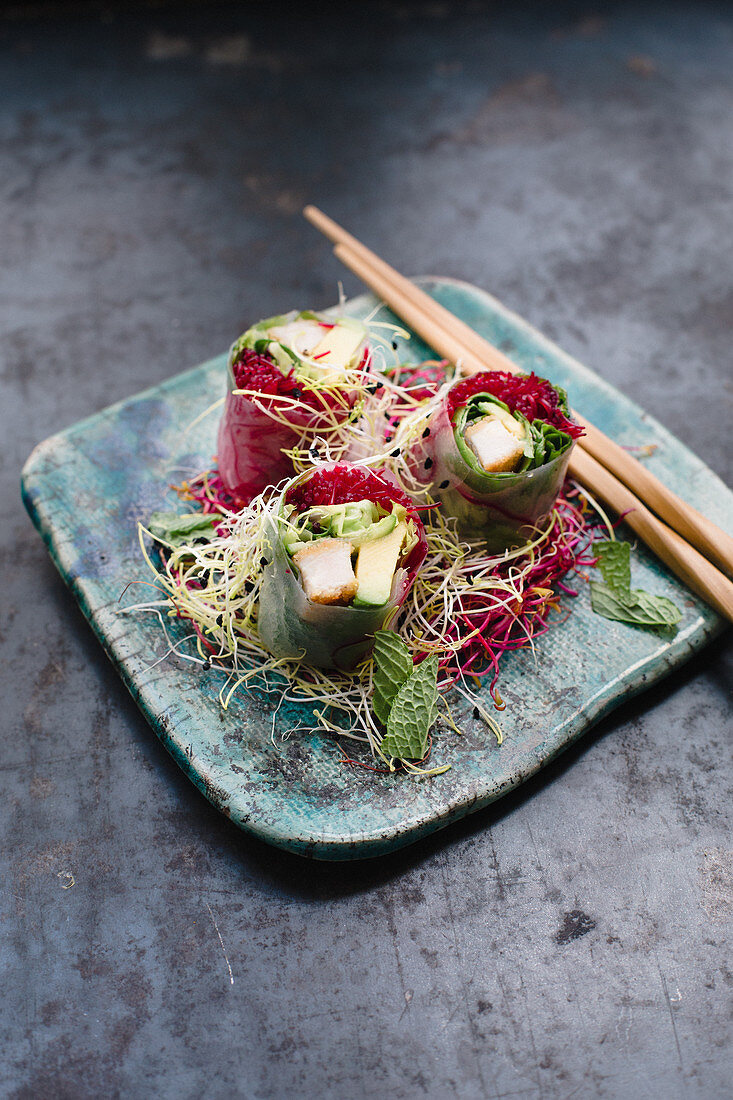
(572, 941)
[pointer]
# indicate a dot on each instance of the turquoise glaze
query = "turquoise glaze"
(86, 489)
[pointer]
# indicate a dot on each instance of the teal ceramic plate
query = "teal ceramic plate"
(86, 489)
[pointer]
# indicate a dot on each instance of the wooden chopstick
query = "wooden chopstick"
(683, 559)
(484, 355)
(477, 354)
(686, 562)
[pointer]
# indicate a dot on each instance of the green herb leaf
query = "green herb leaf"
(633, 606)
(177, 530)
(657, 608)
(413, 712)
(392, 667)
(614, 562)
(616, 600)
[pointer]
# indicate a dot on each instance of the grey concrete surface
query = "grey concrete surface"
(578, 162)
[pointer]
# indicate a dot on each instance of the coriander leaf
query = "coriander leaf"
(636, 606)
(614, 562)
(392, 667)
(177, 530)
(413, 712)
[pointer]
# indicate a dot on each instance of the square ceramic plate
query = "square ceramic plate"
(86, 489)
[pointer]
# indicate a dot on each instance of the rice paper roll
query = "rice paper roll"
(497, 453)
(345, 548)
(287, 375)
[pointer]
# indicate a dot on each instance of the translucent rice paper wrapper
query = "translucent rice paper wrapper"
(502, 509)
(251, 442)
(327, 636)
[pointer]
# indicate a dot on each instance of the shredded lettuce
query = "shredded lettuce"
(358, 521)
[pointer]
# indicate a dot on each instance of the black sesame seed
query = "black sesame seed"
(444, 484)
(219, 620)
(476, 712)
(388, 439)
(297, 393)
(395, 453)
(206, 666)
(428, 463)
(394, 345)
(426, 433)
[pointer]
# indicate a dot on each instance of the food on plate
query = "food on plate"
(289, 589)
(496, 452)
(345, 546)
(326, 572)
(290, 378)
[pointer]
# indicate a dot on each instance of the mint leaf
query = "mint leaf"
(177, 530)
(392, 667)
(614, 562)
(658, 610)
(413, 712)
(616, 600)
(633, 606)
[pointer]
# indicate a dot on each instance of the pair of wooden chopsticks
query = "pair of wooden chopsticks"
(601, 465)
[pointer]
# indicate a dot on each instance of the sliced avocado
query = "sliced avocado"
(294, 548)
(376, 531)
(364, 508)
(282, 356)
(290, 537)
(509, 421)
(357, 521)
(338, 346)
(375, 567)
